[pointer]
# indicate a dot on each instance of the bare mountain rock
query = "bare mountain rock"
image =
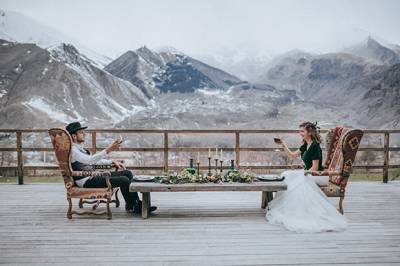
(168, 72)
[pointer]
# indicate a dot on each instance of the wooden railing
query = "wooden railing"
(237, 149)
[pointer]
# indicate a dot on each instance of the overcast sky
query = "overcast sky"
(206, 26)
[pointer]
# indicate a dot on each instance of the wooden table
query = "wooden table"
(146, 187)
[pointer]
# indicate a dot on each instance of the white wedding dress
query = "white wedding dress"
(303, 207)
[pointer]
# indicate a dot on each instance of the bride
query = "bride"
(303, 207)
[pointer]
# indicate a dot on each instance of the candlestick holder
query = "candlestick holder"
(198, 168)
(216, 166)
(220, 169)
(209, 166)
(232, 164)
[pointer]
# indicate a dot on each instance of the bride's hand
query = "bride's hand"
(282, 143)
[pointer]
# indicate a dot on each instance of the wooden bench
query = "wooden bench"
(265, 187)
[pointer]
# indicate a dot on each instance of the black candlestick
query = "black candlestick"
(216, 165)
(191, 163)
(209, 166)
(232, 164)
(198, 168)
(220, 169)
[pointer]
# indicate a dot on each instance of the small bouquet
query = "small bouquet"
(247, 177)
(237, 176)
(214, 178)
(184, 176)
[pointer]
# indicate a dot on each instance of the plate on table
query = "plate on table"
(270, 178)
(143, 178)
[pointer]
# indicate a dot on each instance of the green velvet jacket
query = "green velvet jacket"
(308, 154)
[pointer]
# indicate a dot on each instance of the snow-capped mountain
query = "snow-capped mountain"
(43, 88)
(17, 27)
(45, 82)
(160, 72)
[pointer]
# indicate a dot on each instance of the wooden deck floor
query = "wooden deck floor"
(210, 228)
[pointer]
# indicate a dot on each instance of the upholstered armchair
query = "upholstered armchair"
(62, 144)
(342, 145)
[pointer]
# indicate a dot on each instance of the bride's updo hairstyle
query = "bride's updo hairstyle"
(312, 128)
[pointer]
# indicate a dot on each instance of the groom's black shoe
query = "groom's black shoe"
(138, 208)
(129, 208)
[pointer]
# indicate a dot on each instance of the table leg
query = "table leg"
(145, 204)
(264, 199)
(270, 196)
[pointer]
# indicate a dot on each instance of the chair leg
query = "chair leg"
(94, 207)
(80, 203)
(341, 205)
(109, 214)
(116, 199)
(69, 213)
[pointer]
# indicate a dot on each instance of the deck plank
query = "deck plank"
(209, 228)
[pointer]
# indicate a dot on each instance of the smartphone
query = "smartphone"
(277, 140)
(120, 139)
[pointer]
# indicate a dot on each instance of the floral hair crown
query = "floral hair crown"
(315, 125)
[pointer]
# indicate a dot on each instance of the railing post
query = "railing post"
(386, 157)
(237, 149)
(20, 159)
(166, 151)
(94, 145)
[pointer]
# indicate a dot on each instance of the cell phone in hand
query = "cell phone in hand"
(277, 140)
(120, 140)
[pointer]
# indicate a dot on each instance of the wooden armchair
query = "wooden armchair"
(342, 146)
(62, 144)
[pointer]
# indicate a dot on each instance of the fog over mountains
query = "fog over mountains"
(48, 79)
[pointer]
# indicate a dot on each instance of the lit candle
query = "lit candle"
(198, 157)
(221, 154)
(209, 153)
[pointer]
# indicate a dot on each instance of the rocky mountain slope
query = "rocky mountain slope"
(365, 82)
(372, 50)
(39, 88)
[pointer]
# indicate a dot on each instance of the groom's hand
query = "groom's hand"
(118, 165)
(114, 146)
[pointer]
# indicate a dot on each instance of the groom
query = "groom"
(82, 160)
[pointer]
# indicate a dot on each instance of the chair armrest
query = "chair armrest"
(107, 174)
(322, 173)
(102, 166)
(296, 166)
(106, 166)
(91, 173)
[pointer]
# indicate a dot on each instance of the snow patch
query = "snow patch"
(44, 71)
(218, 93)
(2, 93)
(51, 110)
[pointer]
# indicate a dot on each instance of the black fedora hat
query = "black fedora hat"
(73, 127)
